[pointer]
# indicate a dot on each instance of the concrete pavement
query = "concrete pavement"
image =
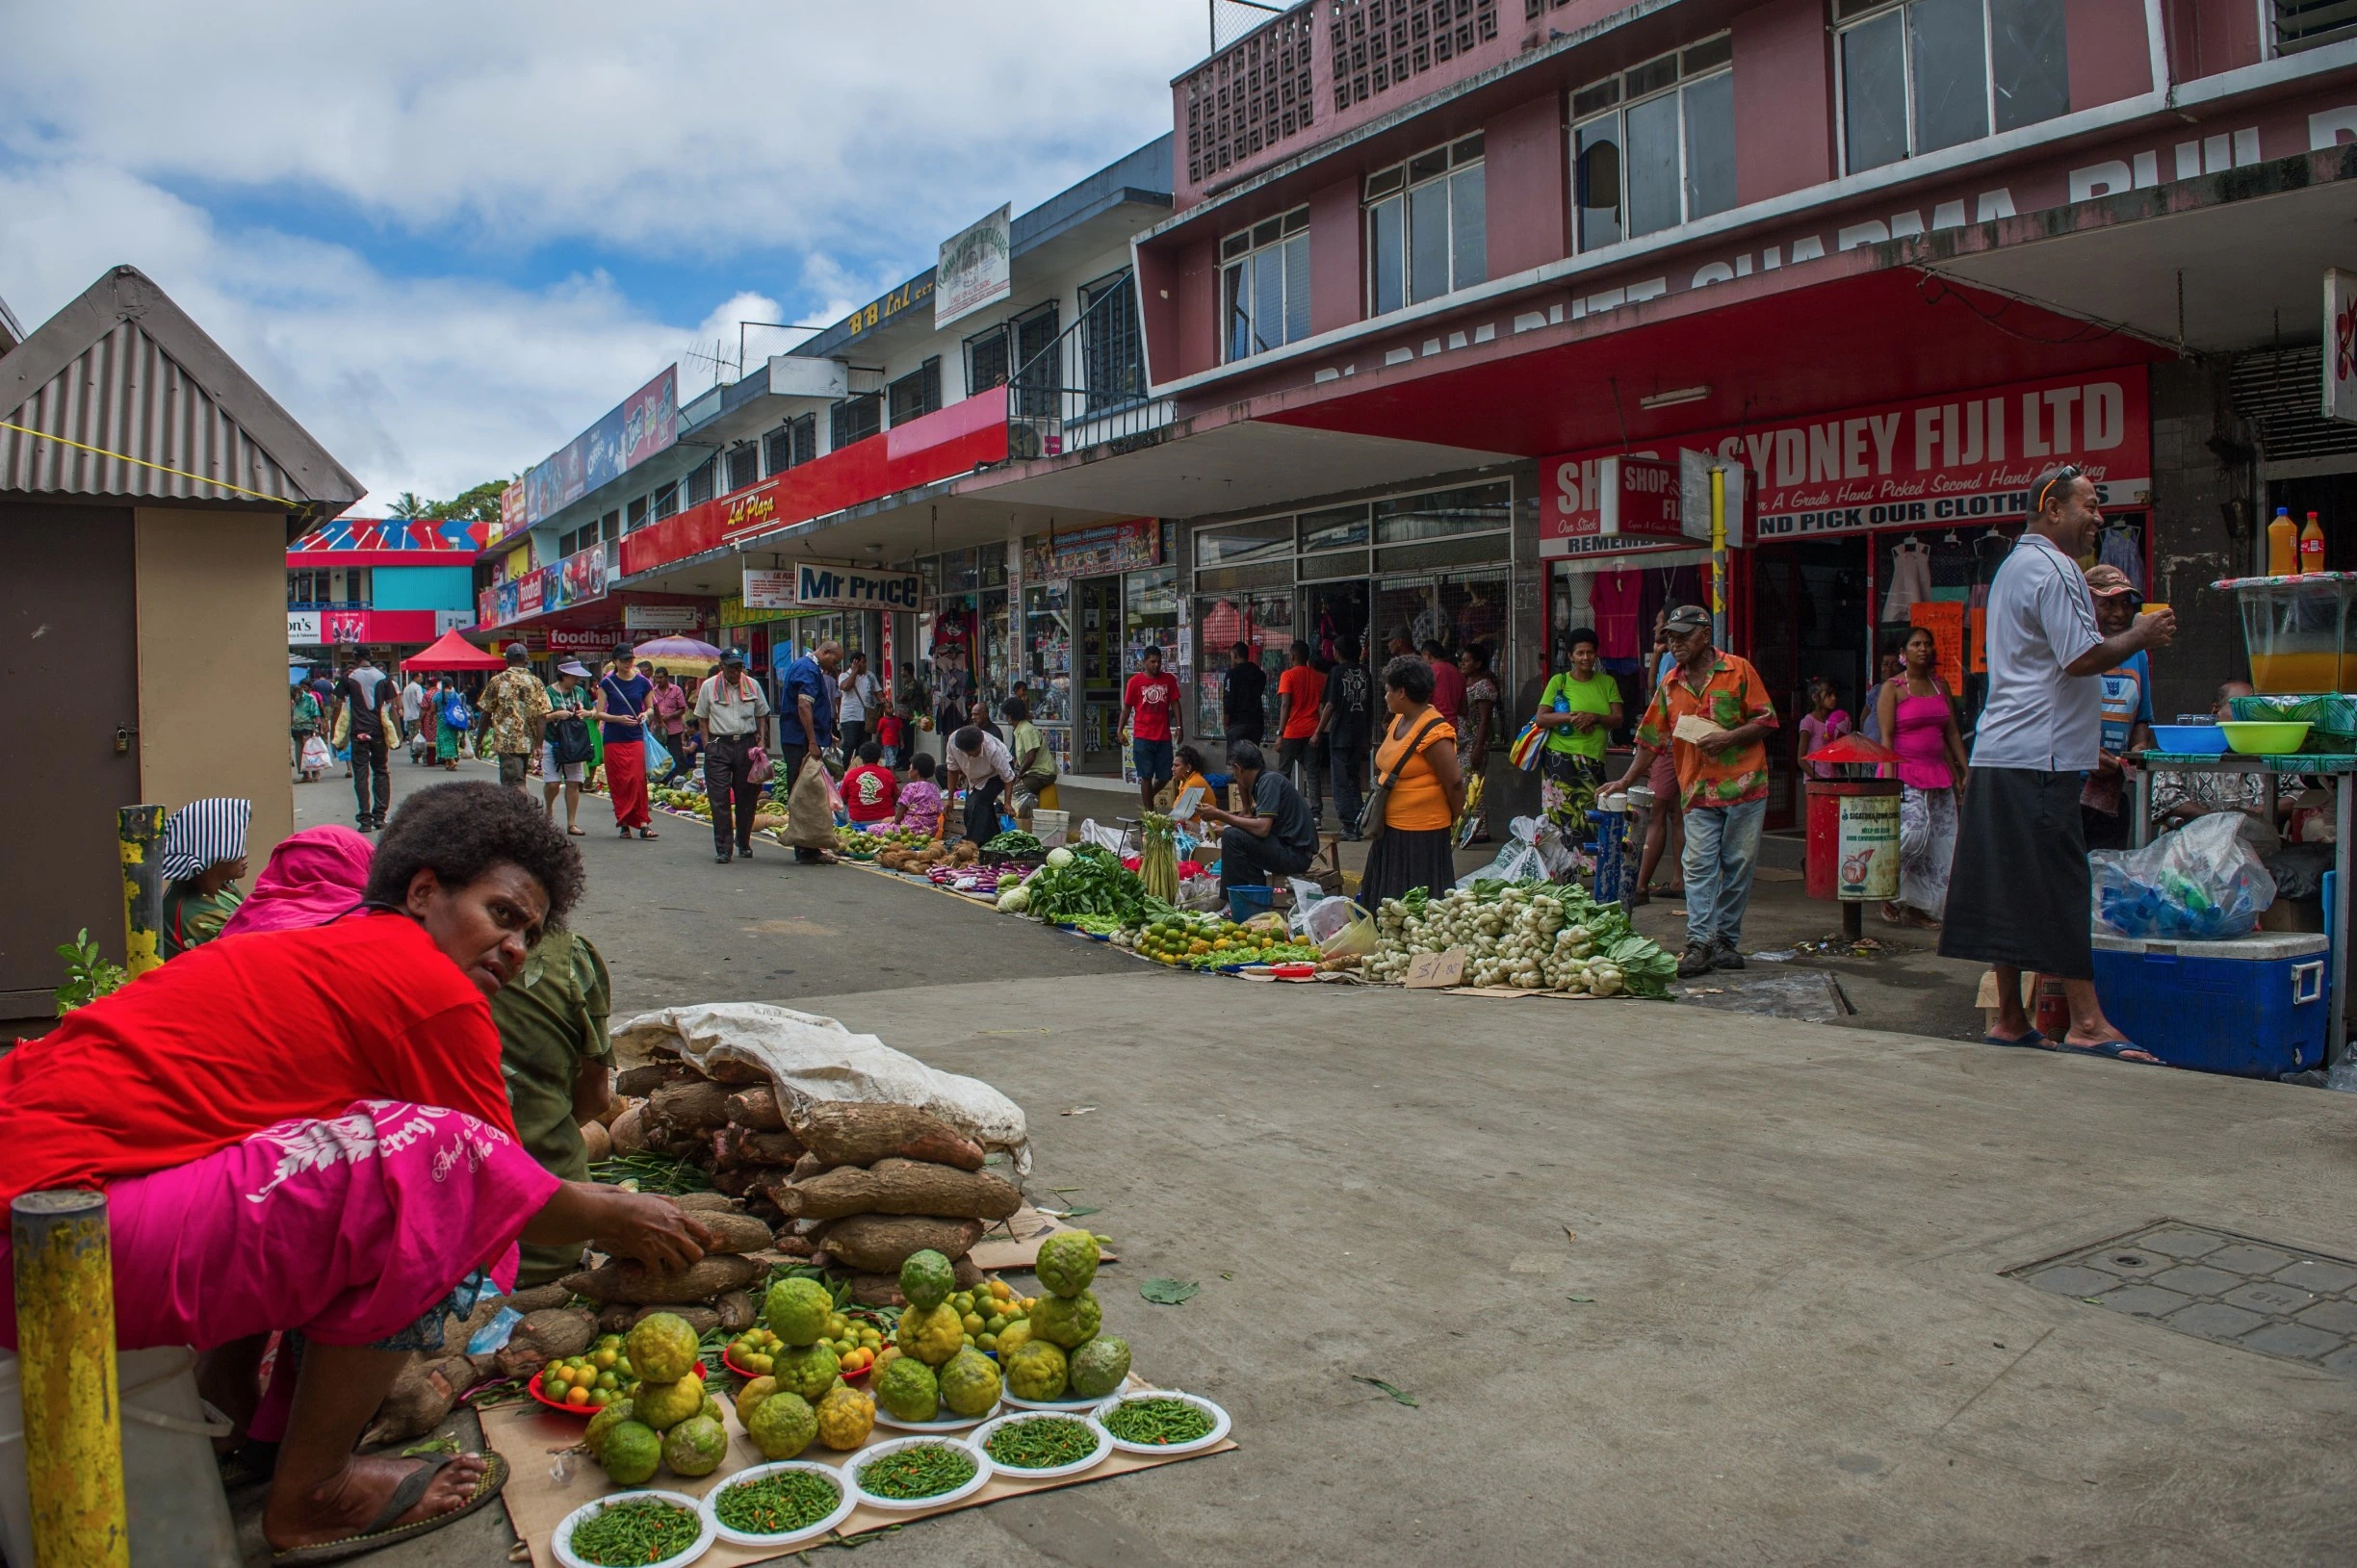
(1667, 1285)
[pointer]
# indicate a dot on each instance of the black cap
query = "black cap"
(1687, 618)
(732, 655)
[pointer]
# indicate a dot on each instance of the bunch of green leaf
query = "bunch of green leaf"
(1646, 969)
(1014, 841)
(89, 975)
(1095, 883)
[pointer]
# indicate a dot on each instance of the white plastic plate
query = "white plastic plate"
(564, 1538)
(738, 1538)
(1063, 1407)
(1219, 1419)
(858, 1462)
(1103, 1452)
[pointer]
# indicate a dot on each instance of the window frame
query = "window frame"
(840, 420)
(1869, 12)
(1241, 249)
(1395, 186)
(1112, 337)
(1681, 78)
(919, 390)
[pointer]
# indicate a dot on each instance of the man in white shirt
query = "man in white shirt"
(980, 763)
(2019, 895)
(855, 704)
(732, 709)
(414, 703)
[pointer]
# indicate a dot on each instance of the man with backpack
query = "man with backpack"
(1346, 718)
(365, 693)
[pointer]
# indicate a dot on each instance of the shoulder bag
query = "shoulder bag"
(1371, 819)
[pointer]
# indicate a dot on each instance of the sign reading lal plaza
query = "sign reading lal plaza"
(1959, 457)
(815, 585)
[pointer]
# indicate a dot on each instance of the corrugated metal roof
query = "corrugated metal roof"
(122, 396)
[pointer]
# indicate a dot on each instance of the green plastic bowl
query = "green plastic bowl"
(2252, 738)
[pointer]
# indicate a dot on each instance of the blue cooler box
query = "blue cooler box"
(2254, 1006)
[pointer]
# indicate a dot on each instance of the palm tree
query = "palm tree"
(409, 504)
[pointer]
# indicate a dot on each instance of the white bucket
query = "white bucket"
(178, 1512)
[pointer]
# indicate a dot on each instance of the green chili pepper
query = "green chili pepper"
(1042, 1444)
(776, 1504)
(1159, 1422)
(924, 1470)
(646, 1530)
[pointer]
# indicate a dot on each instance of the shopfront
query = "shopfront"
(1862, 525)
(1432, 566)
(1093, 600)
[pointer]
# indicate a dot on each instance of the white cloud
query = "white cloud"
(829, 146)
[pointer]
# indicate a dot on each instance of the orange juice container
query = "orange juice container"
(2283, 544)
(2312, 546)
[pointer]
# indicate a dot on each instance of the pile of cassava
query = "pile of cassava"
(849, 1186)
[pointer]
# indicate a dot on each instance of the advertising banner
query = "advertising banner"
(1083, 553)
(977, 269)
(511, 513)
(1962, 458)
(850, 587)
(302, 627)
(1641, 497)
(660, 617)
(634, 431)
(766, 588)
(598, 640)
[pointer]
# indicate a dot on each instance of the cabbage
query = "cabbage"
(1013, 900)
(1059, 857)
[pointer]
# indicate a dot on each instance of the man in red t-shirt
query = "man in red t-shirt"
(1300, 689)
(1448, 682)
(870, 791)
(1149, 711)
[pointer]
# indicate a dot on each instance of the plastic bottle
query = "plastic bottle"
(2283, 544)
(2312, 546)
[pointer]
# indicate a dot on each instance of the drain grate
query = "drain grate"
(2278, 1300)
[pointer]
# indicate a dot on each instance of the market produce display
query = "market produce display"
(1525, 935)
(1057, 1349)
(639, 1529)
(668, 1418)
(983, 881)
(927, 854)
(1210, 942)
(778, 1504)
(1159, 862)
(1157, 1422)
(1084, 881)
(915, 1472)
(866, 843)
(1040, 1442)
(1015, 844)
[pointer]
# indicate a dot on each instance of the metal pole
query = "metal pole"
(1719, 556)
(65, 1368)
(137, 829)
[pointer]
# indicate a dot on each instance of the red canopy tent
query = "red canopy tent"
(454, 652)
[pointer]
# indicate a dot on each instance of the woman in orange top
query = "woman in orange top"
(1418, 755)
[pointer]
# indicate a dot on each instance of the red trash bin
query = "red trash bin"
(1852, 825)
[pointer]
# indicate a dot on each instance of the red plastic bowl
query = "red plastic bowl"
(585, 1411)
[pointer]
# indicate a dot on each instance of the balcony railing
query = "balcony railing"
(1047, 417)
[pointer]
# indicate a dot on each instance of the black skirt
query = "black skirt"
(1404, 860)
(2018, 894)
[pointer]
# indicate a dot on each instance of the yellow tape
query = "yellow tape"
(126, 457)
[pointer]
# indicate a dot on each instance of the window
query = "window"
(309, 587)
(1427, 227)
(1112, 346)
(855, 418)
(700, 481)
(637, 514)
(1927, 74)
(1264, 281)
(2308, 24)
(611, 527)
(986, 360)
(1654, 147)
(796, 440)
(667, 501)
(743, 466)
(1038, 365)
(917, 394)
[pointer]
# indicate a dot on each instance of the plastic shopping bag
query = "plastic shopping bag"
(2201, 883)
(1338, 925)
(316, 756)
(1534, 852)
(658, 760)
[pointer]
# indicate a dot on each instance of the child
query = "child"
(1823, 724)
(203, 860)
(869, 789)
(889, 730)
(920, 802)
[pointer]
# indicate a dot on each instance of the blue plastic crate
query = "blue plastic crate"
(2254, 1006)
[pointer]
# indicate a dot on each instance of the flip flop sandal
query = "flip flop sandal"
(2031, 1041)
(648, 833)
(2119, 1051)
(577, 832)
(381, 1532)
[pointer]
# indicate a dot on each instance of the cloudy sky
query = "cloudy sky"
(448, 234)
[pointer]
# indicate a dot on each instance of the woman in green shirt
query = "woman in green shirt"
(1579, 708)
(303, 722)
(202, 857)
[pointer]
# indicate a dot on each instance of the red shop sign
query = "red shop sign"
(1961, 457)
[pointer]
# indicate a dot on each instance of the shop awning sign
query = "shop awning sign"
(768, 588)
(2340, 345)
(1641, 497)
(660, 617)
(1962, 458)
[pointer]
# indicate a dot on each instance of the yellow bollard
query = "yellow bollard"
(137, 828)
(65, 1368)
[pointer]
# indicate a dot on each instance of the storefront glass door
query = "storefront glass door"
(1098, 608)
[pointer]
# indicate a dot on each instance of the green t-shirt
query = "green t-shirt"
(1568, 694)
(190, 920)
(551, 1019)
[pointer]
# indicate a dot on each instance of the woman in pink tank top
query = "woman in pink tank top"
(1917, 716)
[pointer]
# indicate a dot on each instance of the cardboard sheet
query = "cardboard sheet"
(1016, 1244)
(531, 1440)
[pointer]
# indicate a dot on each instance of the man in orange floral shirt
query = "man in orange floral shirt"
(1713, 715)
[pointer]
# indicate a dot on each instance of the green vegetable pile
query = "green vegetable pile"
(1041, 1445)
(1091, 883)
(646, 1530)
(1157, 1421)
(920, 1471)
(778, 1504)
(1014, 842)
(1528, 936)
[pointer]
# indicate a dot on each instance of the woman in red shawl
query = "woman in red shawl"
(307, 1130)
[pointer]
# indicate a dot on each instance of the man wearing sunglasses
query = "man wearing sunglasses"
(2019, 895)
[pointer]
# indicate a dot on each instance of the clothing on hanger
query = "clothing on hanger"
(1614, 598)
(2123, 548)
(1910, 580)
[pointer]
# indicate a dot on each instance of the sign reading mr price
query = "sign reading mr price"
(1640, 498)
(844, 587)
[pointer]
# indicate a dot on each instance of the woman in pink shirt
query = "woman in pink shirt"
(1918, 714)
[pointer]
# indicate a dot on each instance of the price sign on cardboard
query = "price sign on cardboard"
(1431, 971)
(1946, 622)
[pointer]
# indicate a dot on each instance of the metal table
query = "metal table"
(2337, 768)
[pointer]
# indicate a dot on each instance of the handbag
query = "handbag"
(570, 739)
(1371, 819)
(1529, 745)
